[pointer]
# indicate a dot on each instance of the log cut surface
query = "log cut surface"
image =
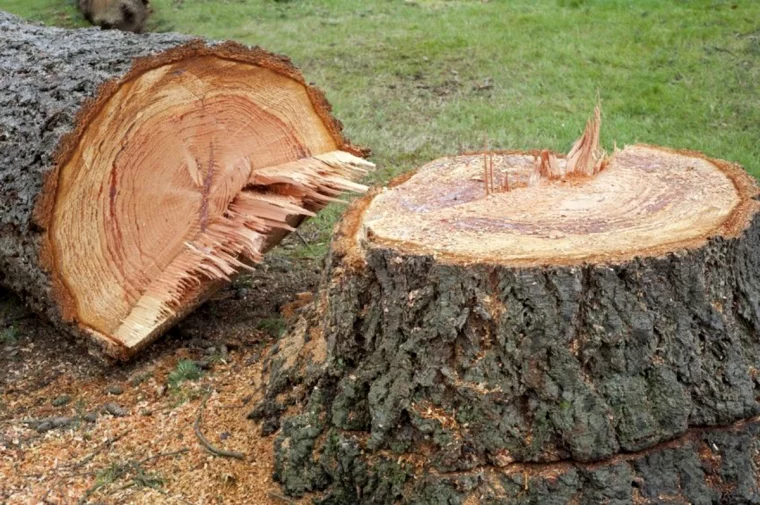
(142, 172)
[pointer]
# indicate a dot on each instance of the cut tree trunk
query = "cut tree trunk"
(591, 335)
(139, 173)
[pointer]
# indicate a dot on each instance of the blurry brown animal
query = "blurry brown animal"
(126, 15)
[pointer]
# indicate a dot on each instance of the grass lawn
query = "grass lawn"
(415, 80)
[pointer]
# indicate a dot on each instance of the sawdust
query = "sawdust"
(48, 467)
(151, 455)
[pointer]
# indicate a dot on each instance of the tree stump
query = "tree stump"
(580, 339)
(140, 173)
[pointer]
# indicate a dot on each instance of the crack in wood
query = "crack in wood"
(691, 435)
(206, 189)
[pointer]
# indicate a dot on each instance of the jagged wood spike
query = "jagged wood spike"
(546, 167)
(585, 157)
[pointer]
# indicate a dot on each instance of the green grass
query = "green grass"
(110, 474)
(9, 336)
(118, 469)
(186, 370)
(151, 480)
(415, 80)
(274, 326)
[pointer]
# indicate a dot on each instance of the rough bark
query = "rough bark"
(429, 381)
(703, 466)
(47, 76)
(52, 81)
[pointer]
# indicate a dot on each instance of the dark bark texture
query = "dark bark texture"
(435, 375)
(47, 75)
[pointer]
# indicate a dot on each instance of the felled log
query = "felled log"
(517, 327)
(139, 174)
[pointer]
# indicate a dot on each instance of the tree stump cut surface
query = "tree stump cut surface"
(647, 202)
(465, 341)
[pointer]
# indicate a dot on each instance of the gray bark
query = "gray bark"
(487, 366)
(46, 76)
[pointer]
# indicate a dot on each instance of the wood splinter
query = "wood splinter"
(586, 158)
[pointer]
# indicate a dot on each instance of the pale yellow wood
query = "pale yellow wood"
(645, 200)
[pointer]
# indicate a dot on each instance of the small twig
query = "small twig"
(239, 406)
(16, 421)
(490, 170)
(486, 172)
(303, 239)
(162, 455)
(127, 486)
(99, 448)
(284, 499)
(206, 444)
(97, 485)
(724, 50)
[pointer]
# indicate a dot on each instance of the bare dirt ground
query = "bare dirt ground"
(75, 430)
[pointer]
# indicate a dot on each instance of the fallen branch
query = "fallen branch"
(206, 444)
